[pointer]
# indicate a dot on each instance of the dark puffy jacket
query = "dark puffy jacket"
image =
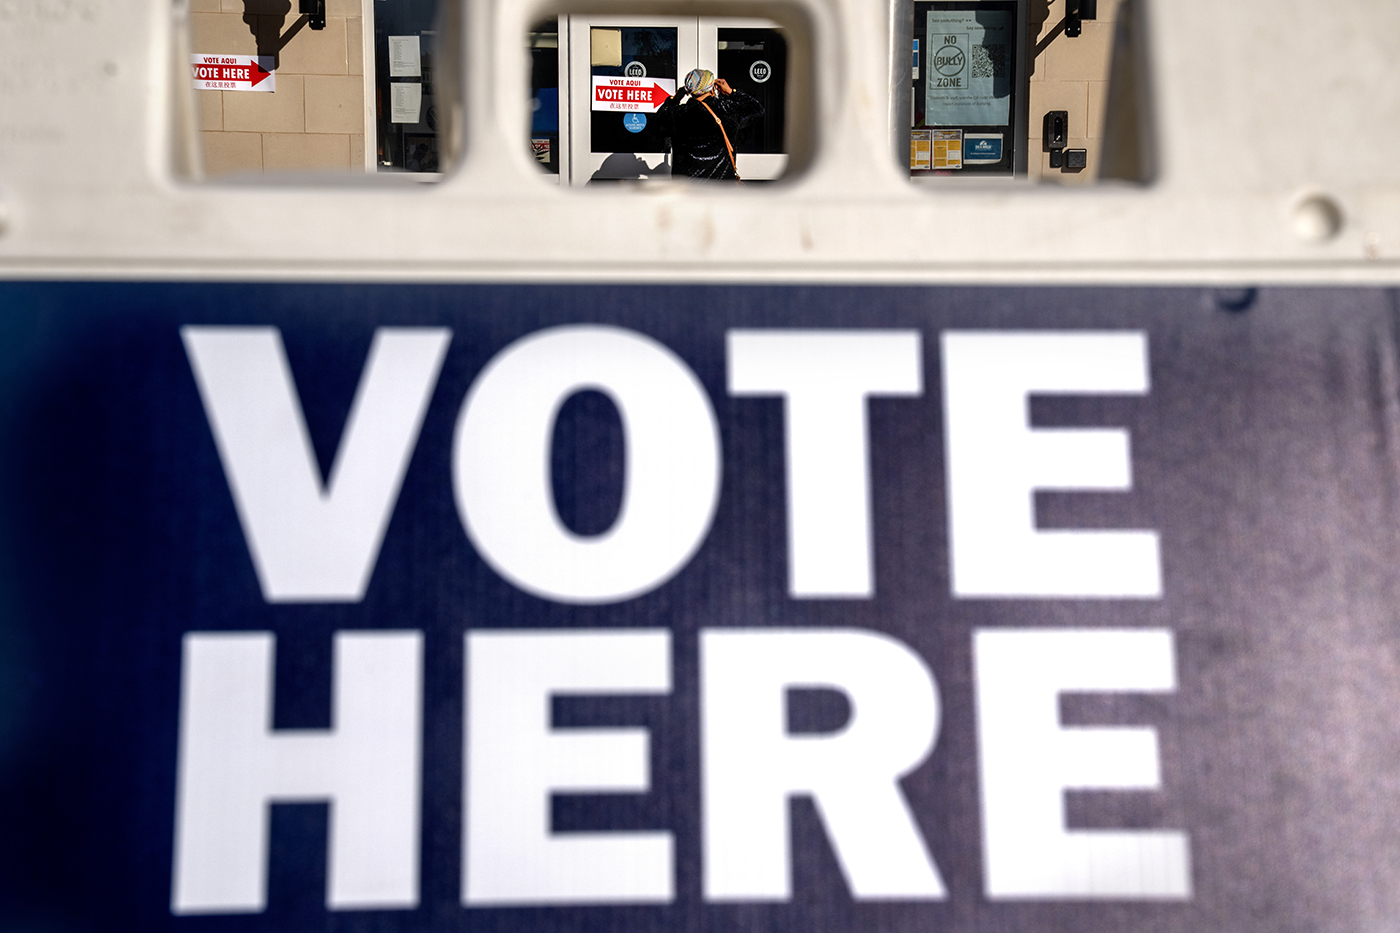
(697, 146)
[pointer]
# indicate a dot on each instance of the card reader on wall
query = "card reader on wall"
(1055, 133)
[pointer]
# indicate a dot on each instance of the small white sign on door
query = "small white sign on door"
(404, 58)
(405, 102)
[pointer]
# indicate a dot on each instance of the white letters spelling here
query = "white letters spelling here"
(515, 761)
(752, 767)
(232, 765)
(1028, 760)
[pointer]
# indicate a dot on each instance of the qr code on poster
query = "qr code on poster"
(989, 61)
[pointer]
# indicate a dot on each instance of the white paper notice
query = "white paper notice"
(404, 61)
(969, 68)
(405, 100)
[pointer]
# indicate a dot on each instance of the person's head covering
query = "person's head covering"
(699, 81)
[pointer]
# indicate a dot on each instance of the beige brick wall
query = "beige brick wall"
(1070, 74)
(315, 119)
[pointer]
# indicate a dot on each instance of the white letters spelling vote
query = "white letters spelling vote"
(317, 542)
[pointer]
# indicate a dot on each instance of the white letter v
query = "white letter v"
(312, 542)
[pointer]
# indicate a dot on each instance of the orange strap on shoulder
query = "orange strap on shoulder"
(727, 144)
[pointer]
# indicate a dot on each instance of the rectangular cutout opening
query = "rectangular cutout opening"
(331, 87)
(1026, 89)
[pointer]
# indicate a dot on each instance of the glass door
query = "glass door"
(407, 109)
(970, 88)
(751, 54)
(621, 70)
(548, 63)
(609, 75)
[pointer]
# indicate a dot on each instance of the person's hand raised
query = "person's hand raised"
(723, 86)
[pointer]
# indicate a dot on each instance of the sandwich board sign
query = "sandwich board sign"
(636, 608)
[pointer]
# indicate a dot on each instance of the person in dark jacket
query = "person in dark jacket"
(703, 121)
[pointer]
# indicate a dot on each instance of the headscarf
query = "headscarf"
(700, 81)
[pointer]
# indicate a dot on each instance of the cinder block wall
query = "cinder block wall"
(315, 120)
(1071, 74)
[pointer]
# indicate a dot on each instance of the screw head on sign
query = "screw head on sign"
(1316, 219)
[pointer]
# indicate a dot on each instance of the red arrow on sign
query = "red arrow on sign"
(257, 75)
(659, 95)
